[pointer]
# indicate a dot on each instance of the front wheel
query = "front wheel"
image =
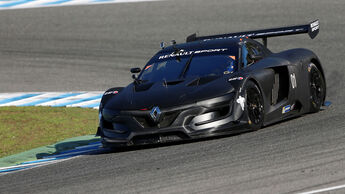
(254, 105)
(317, 88)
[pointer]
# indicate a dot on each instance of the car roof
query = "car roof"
(203, 44)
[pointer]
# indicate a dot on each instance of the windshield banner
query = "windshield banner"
(186, 53)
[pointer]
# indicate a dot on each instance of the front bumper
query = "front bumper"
(216, 116)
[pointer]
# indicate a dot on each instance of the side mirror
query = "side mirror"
(135, 70)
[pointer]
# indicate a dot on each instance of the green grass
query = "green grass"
(25, 128)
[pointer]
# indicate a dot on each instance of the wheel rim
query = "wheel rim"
(316, 87)
(254, 105)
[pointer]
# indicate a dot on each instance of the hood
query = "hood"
(168, 94)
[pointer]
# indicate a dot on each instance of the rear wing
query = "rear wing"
(312, 29)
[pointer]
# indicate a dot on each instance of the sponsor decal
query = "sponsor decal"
(240, 100)
(230, 37)
(235, 78)
(111, 92)
(293, 80)
(147, 67)
(314, 26)
(286, 109)
(186, 53)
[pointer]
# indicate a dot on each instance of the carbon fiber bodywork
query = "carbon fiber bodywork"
(201, 119)
(194, 107)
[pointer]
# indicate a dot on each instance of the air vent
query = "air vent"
(143, 87)
(202, 80)
(174, 82)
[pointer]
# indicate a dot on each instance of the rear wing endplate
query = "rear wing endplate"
(312, 29)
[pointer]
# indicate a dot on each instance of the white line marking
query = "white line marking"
(324, 190)
(72, 154)
(33, 4)
(32, 99)
(40, 165)
(85, 103)
(88, 146)
(70, 99)
(32, 164)
(49, 3)
(9, 95)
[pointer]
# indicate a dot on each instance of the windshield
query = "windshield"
(182, 67)
(164, 70)
(215, 65)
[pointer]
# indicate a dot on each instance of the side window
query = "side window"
(259, 49)
(254, 49)
(248, 51)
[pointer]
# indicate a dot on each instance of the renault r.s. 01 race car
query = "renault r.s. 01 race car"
(213, 85)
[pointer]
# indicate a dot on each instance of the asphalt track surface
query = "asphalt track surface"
(93, 47)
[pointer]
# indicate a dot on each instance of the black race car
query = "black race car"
(213, 85)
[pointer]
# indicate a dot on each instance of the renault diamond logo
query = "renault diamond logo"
(155, 114)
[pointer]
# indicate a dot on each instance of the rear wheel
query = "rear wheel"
(317, 88)
(254, 105)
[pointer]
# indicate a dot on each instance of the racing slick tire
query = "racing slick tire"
(254, 105)
(317, 88)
